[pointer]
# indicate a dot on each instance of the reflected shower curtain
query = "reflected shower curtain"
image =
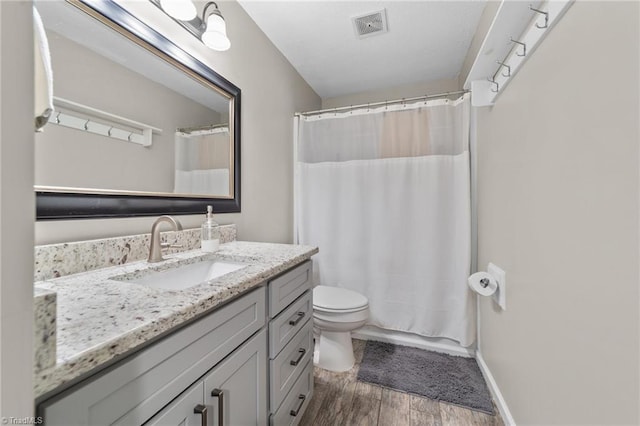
(385, 194)
(202, 162)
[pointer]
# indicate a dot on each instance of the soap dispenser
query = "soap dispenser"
(210, 233)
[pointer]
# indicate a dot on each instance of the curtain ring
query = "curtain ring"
(86, 125)
(109, 131)
(58, 118)
(129, 137)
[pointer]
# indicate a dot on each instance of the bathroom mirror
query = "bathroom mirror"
(140, 127)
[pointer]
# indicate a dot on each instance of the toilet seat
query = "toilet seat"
(338, 300)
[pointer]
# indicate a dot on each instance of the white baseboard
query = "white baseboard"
(414, 340)
(495, 391)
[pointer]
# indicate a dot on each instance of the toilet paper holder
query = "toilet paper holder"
(491, 283)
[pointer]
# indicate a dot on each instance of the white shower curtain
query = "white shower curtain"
(202, 162)
(385, 194)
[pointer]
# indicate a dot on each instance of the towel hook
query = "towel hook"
(86, 125)
(129, 137)
(508, 74)
(546, 18)
(524, 47)
(109, 131)
(496, 83)
(58, 118)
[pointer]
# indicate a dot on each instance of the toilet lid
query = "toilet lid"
(337, 299)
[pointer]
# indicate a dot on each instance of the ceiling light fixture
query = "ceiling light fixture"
(183, 10)
(215, 34)
(211, 29)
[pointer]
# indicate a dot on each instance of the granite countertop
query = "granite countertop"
(99, 319)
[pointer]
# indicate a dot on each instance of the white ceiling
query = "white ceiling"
(426, 41)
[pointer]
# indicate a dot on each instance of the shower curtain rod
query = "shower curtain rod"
(374, 104)
(195, 129)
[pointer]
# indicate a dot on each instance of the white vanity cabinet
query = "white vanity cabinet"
(290, 345)
(165, 382)
(231, 394)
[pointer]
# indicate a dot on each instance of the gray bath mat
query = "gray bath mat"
(452, 379)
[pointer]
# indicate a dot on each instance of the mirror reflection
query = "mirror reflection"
(126, 120)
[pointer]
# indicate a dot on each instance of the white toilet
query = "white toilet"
(336, 312)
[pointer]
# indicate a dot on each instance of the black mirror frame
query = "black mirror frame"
(74, 205)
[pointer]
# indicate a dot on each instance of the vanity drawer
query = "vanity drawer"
(286, 367)
(296, 402)
(288, 323)
(288, 287)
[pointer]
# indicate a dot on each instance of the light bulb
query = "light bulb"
(183, 10)
(215, 36)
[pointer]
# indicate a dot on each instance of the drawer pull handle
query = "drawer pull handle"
(297, 410)
(201, 409)
(297, 361)
(297, 320)
(219, 393)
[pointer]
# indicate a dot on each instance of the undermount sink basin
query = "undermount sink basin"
(187, 276)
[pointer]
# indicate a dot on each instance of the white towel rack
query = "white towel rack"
(516, 31)
(85, 118)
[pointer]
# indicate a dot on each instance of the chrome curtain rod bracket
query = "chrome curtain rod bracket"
(524, 47)
(546, 17)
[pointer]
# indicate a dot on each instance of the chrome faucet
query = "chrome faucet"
(155, 248)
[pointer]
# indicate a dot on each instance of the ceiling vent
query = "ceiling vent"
(371, 24)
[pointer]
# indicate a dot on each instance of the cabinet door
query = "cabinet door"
(236, 389)
(186, 410)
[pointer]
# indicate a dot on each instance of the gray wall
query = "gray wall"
(393, 93)
(16, 209)
(271, 92)
(558, 210)
(70, 157)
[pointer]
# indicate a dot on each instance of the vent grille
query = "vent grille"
(370, 24)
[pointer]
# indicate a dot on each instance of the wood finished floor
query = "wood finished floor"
(340, 400)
